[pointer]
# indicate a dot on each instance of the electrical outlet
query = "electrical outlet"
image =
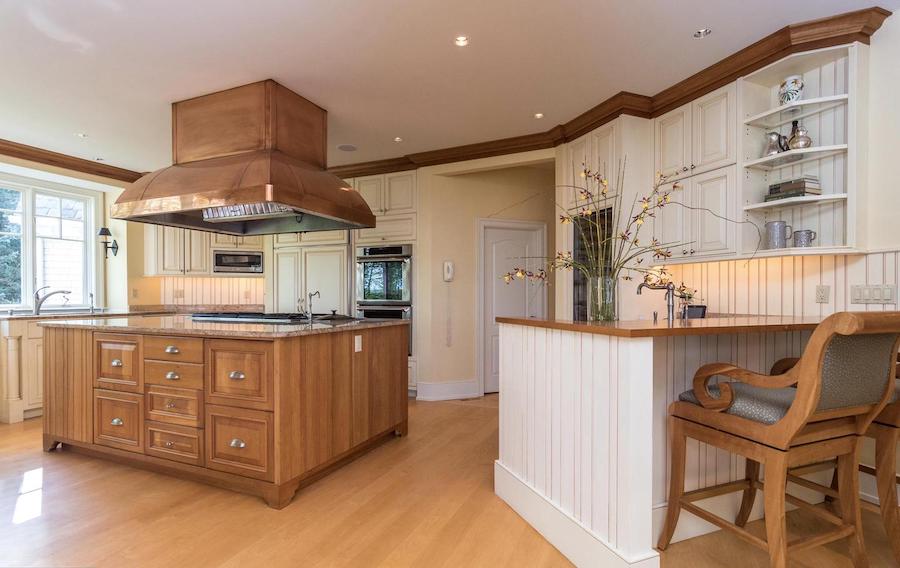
(179, 294)
(134, 293)
(823, 294)
(246, 294)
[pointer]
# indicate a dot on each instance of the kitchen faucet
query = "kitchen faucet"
(312, 295)
(670, 296)
(39, 300)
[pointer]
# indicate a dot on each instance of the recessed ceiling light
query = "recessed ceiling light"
(702, 33)
(539, 115)
(461, 41)
(81, 135)
(398, 139)
(346, 147)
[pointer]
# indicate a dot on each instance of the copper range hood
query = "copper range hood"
(248, 161)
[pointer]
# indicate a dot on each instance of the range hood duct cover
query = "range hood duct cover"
(248, 161)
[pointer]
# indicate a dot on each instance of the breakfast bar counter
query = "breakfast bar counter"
(583, 440)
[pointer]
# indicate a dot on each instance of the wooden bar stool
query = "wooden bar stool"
(814, 411)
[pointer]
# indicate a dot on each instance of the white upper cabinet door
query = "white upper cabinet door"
(672, 144)
(400, 192)
(286, 239)
(286, 273)
(324, 237)
(713, 197)
(714, 130)
(169, 250)
(372, 190)
(578, 154)
(390, 228)
(325, 271)
(670, 221)
(197, 255)
(254, 242)
(603, 154)
(222, 241)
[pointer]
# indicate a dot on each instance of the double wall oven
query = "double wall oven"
(384, 283)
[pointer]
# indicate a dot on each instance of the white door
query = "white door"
(713, 131)
(287, 279)
(713, 195)
(505, 248)
(673, 142)
(325, 271)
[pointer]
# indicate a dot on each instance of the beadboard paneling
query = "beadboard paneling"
(188, 290)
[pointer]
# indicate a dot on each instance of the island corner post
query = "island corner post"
(263, 413)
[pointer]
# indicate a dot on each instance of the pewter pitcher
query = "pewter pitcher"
(777, 234)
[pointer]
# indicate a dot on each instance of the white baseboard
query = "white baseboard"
(447, 391)
(562, 531)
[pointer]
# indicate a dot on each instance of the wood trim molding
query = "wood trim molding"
(41, 156)
(826, 32)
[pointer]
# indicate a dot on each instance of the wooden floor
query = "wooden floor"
(424, 500)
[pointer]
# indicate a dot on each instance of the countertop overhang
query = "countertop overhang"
(185, 325)
(647, 328)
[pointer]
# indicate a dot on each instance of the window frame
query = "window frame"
(93, 215)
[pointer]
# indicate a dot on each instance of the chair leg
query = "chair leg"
(776, 525)
(752, 475)
(848, 495)
(886, 439)
(676, 480)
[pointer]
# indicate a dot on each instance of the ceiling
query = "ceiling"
(382, 68)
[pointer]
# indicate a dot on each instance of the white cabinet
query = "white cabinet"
(197, 256)
(227, 242)
(311, 238)
(389, 194)
(670, 222)
(301, 270)
(163, 250)
(412, 370)
(698, 136)
(389, 228)
(32, 367)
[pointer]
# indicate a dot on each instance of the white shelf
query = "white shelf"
(796, 110)
(801, 251)
(794, 157)
(795, 201)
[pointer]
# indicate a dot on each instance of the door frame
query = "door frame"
(481, 226)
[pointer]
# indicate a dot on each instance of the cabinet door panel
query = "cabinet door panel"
(239, 373)
(287, 279)
(372, 190)
(670, 221)
(287, 239)
(240, 441)
(197, 255)
(325, 271)
(393, 228)
(324, 238)
(221, 241)
(672, 145)
(170, 250)
(400, 192)
(119, 420)
(713, 195)
(118, 362)
(714, 130)
(578, 156)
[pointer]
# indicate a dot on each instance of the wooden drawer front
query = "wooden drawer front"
(240, 373)
(177, 443)
(179, 349)
(239, 441)
(118, 420)
(175, 406)
(117, 362)
(179, 375)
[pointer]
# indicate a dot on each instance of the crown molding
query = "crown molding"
(826, 32)
(46, 157)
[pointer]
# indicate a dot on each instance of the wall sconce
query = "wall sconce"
(114, 246)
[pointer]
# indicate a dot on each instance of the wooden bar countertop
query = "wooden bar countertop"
(647, 328)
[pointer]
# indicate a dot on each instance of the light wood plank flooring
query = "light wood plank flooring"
(424, 500)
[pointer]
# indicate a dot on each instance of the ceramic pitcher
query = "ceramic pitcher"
(777, 234)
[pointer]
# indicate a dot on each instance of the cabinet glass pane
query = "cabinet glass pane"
(46, 205)
(11, 269)
(46, 227)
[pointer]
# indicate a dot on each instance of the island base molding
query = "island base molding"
(565, 533)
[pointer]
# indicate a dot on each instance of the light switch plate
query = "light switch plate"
(873, 294)
(357, 343)
(823, 294)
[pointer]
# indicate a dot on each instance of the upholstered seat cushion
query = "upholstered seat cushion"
(767, 406)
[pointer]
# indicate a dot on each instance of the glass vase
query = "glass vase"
(602, 305)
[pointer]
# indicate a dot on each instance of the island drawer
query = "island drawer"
(118, 420)
(180, 375)
(174, 406)
(178, 443)
(239, 441)
(178, 349)
(240, 373)
(117, 362)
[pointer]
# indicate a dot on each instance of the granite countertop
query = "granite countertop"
(81, 314)
(184, 325)
(647, 328)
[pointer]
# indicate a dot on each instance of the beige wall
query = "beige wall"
(452, 198)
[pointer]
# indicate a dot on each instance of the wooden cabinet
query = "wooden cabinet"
(119, 420)
(699, 136)
(167, 373)
(171, 442)
(179, 406)
(240, 441)
(118, 362)
(239, 373)
(177, 349)
(32, 367)
(180, 252)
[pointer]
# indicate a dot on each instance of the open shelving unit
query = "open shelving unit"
(832, 109)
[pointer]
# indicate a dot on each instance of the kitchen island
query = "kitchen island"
(258, 408)
(583, 443)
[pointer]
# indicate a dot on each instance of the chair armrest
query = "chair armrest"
(726, 395)
(782, 366)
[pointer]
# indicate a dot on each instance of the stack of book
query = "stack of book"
(806, 185)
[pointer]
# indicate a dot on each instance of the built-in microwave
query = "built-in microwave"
(238, 261)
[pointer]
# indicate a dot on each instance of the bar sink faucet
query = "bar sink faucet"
(670, 296)
(39, 300)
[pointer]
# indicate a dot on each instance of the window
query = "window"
(46, 233)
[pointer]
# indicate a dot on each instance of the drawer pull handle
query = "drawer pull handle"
(116, 363)
(238, 443)
(237, 376)
(172, 350)
(170, 444)
(117, 422)
(170, 405)
(172, 376)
